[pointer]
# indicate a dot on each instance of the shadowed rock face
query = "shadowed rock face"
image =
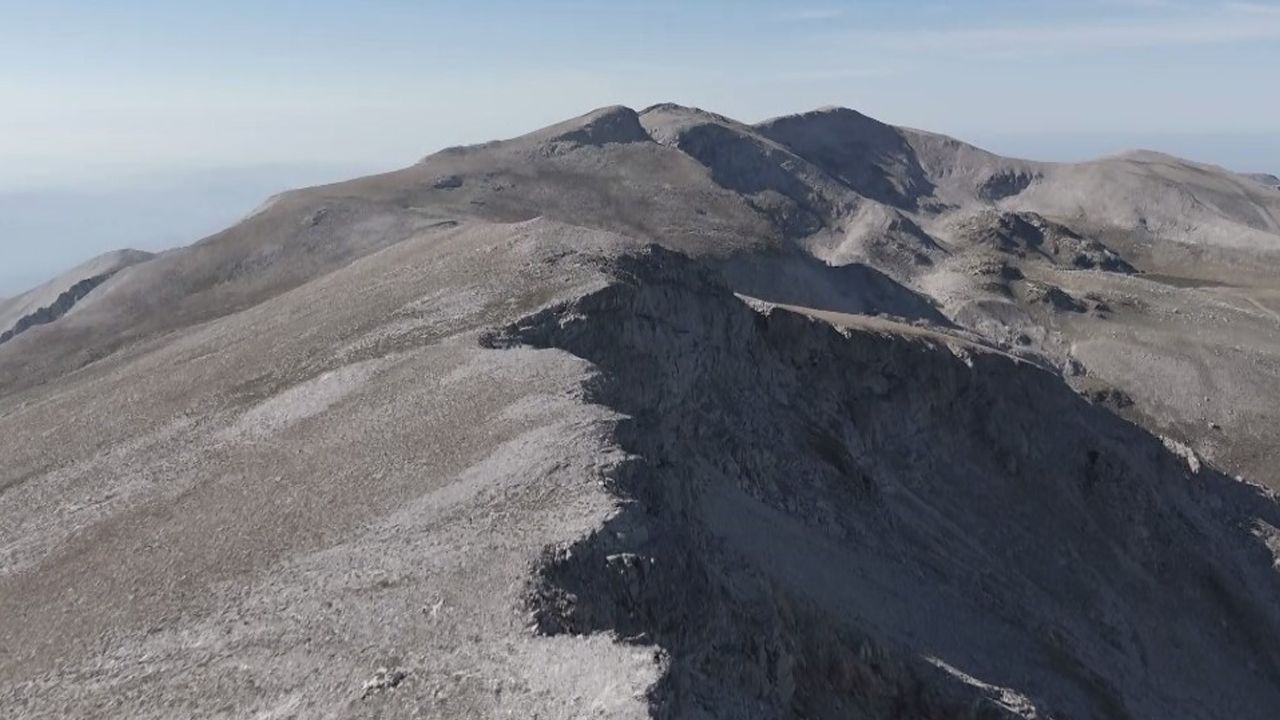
(1028, 234)
(870, 157)
(1266, 179)
(61, 306)
(54, 298)
(660, 414)
(610, 125)
(784, 474)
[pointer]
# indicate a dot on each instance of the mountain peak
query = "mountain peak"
(610, 124)
(828, 116)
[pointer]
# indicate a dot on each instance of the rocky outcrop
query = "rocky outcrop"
(822, 523)
(608, 125)
(796, 196)
(1030, 235)
(1266, 179)
(868, 156)
(43, 301)
(1005, 184)
(61, 306)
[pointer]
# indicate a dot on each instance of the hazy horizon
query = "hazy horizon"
(139, 103)
(166, 207)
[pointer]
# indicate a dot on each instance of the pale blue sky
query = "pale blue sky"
(94, 90)
(144, 83)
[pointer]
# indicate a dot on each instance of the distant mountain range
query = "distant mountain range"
(1265, 179)
(44, 231)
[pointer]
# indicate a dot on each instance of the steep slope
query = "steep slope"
(848, 523)
(1172, 199)
(1266, 179)
(829, 209)
(343, 471)
(585, 171)
(907, 169)
(1039, 259)
(56, 297)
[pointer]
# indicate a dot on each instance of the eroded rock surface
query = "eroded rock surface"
(808, 509)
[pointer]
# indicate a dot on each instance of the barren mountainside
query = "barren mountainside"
(661, 414)
(55, 298)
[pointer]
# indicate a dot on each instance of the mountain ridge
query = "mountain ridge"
(24, 305)
(659, 414)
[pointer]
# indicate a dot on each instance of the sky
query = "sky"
(113, 95)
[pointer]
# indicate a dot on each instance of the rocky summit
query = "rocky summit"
(661, 414)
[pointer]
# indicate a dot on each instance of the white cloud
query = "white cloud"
(812, 14)
(1149, 3)
(1227, 23)
(824, 74)
(1253, 7)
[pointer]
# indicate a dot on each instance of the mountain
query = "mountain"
(58, 296)
(49, 227)
(1265, 179)
(663, 414)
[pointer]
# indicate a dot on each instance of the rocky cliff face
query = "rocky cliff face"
(53, 299)
(823, 522)
(1266, 179)
(60, 306)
